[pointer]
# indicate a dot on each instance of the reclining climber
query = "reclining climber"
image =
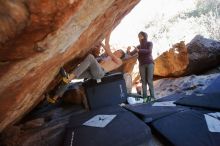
(90, 68)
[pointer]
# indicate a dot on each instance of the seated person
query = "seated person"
(90, 68)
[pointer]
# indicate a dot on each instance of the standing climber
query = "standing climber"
(146, 64)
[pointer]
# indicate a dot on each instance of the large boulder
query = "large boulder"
(200, 55)
(173, 62)
(204, 54)
(183, 85)
(40, 36)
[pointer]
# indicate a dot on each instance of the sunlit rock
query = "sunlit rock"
(200, 55)
(173, 62)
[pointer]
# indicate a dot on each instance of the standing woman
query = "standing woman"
(146, 64)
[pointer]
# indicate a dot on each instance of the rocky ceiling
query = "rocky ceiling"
(37, 37)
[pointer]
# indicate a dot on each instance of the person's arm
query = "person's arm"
(132, 52)
(108, 50)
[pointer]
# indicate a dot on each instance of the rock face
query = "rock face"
(38, 37)
(204, 54)
(14, 21)
(198, 56)
(183, 85)
(45, 126)
(173, 62)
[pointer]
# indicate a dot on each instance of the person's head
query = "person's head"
(142, 37)
(119, 53)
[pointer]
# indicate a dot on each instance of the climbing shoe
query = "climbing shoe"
(51, 100)
(148, 99)
(145, 99)
(65, 75)
(65, 80)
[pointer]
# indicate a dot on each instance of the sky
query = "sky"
(125, 34)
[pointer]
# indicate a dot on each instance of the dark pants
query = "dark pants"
(146, 73)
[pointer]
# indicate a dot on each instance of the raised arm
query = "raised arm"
(108, 50)
(129, 52)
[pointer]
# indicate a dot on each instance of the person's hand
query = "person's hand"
(136, 49)
(102, 45)
(129, 49)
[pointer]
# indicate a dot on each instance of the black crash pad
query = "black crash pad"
(186, 128)
(110, 90)
(214, 87)
(148, 113)
(203, 100)
(124, 130)
(172, 97)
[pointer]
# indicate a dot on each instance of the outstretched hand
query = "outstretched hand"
(102, 45)
(128, 48)
(135, 49)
